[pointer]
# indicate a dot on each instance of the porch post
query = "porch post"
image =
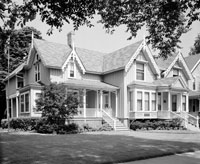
(169, 101)
(97, 105)
(187, 103)
(199, 105)
(84, 103)
(101, 100)
(11, 107)
(17, 107)
(181, 102)
(109, 104)
(116, 104)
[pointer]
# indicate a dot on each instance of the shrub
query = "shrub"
(21, 123)
(157, 124)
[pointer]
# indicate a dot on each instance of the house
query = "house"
(193, 63)
(117, 87)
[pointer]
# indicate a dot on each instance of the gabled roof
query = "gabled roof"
(192, 61)
(52, 54)
(118, 59)
(163, 64)
(167, 64)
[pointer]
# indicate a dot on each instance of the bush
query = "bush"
(21, 123)
(44, 127)
(174, 124)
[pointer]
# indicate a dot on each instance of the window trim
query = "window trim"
(144, 64)
(184, 102)
(24, 102)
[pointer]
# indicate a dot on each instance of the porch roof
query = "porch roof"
(194, 94)
(89, 84)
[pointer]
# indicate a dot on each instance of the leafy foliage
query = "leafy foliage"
(55, 105)
(196, 49)
(174, 124)
(165, 20)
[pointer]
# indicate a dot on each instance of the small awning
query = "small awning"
(89, 84)
(194, 94)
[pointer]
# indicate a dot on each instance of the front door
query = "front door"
(174, 103)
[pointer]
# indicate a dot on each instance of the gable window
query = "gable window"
(20, 81)
(71, 69)
(37, 72)
(24, 103)
(140, 71)
(175, 72)
(139, 101)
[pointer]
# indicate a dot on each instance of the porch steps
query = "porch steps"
(117, 126)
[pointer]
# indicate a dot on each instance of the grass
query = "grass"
(84, 148)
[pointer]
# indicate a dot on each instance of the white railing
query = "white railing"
(111, 121)
(143, 114)
(90, 112)
(190, 118)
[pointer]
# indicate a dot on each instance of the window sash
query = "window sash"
(139, 101)
(139, 71)
(153, 101)
(147, 101)
(22, 103)
(131, 100)
(184, 103)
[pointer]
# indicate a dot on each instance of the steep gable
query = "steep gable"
(192, 61)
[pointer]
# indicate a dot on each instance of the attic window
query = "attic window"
(175, 72)
(37, 72)
(140, 71)
(71, 69)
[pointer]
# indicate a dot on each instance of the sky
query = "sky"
(97, 39)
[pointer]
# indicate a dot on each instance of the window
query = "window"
(37, 72)
(174, 103)
(24, 103)
(194, 86)
(175, 72)
(139, 101)
(20, 81)
(71, 69)
(159, 101)
(146, 101)
(184, 103)
(139, 71)
(153, 101)
(131, 100)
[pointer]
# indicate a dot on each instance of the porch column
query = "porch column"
(169, 101)
(116, 104)
(84, 103)
(97, 105)
(187, 103)
(17, 107)
(199, 104)
(109, 104)
(11, 107)
(181, 102)
(101, 100)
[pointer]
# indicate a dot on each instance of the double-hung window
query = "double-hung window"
(146, 101)
(24, 103)
(71, 67)
(37, 69)
(140, 71)
(139, 101)
(153, 101)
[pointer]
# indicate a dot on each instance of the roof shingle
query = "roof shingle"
(192, 60)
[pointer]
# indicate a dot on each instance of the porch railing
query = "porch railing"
(90, 112)
(190, 118)
(111, 121)
(142, 114)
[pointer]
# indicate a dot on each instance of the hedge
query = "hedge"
(174, 124)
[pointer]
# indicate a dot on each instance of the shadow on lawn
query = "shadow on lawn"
(84, 148)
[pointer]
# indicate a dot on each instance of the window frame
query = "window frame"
(71, 61)
(25, 103)
(184, 103)
(147, 101)
(140, 100)
(153, 101)
(140, 71)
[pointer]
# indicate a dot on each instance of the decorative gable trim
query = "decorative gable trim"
(181, 59)
(197, 63)
(77, 59)
(144, 46)
(181, 81)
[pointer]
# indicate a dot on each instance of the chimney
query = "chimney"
(70, 39)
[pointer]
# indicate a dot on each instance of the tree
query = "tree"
(55, 105)
(196, 49)
(165, 20)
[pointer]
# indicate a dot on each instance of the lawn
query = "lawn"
(83, 148)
